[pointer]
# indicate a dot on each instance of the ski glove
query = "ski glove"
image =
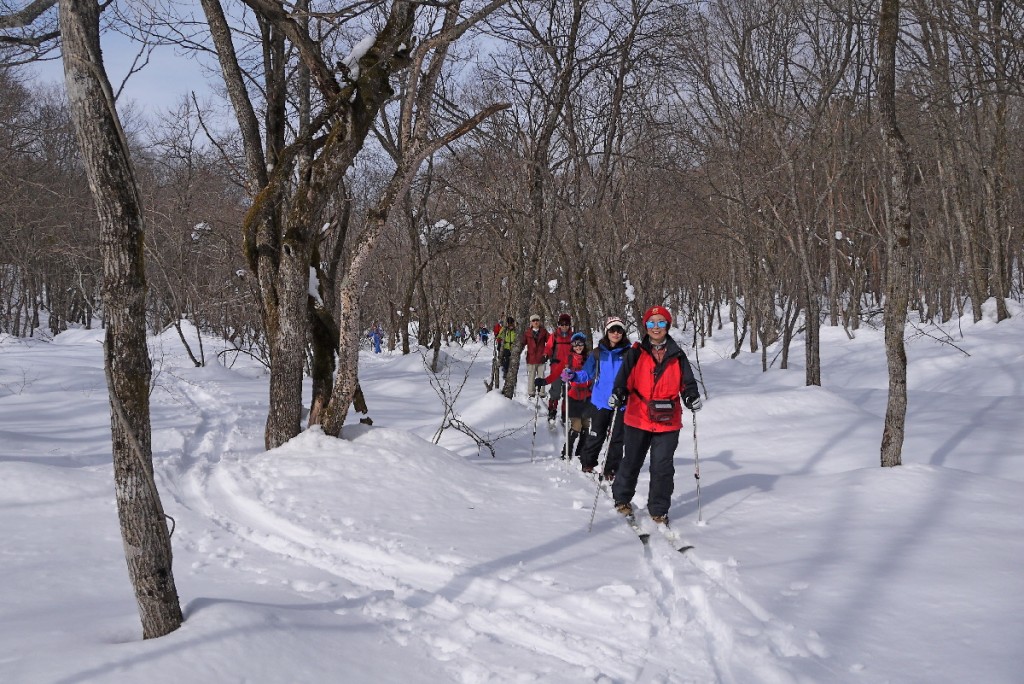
(539, 382)
(693, 403)
(567, 374)
(617, 398)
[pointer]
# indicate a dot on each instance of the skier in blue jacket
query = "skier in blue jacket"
(602, 366)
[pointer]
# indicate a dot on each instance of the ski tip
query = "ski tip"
(684, 549)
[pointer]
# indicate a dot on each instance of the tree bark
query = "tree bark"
(113, 185)
(897, 235)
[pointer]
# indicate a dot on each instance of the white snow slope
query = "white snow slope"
(382, 557)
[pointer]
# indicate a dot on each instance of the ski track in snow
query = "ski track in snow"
(688, 590)
(385, 574)
(692, 638)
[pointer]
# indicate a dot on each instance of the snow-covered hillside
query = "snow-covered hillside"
(382, 557)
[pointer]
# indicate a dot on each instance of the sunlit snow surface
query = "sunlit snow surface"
(382, 557)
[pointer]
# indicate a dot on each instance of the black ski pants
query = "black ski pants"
(599, 421)
(662, 446)
(506, 359)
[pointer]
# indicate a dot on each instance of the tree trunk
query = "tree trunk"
(324, 341)
(285, 292)
(112, 183)
(346, 380)
(898, 236)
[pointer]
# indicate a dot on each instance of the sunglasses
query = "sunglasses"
(578, 344)
(656, 324)
(617, 331)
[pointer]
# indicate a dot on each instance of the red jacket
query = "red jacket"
(536, 344)
(577, 390)
(646, 380)
(558, 348)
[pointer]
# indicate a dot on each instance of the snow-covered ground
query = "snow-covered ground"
(382, 557)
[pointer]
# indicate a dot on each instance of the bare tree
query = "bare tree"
(112, 181)
(413, 144)
(897, 233)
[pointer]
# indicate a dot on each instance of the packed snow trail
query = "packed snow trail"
(494, 603)
(254, 501)
(743, 641)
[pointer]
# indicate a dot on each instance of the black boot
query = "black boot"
(579, 445)
(567, 450)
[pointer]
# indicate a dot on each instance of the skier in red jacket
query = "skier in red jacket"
(557, 351)
(536, 340)
(578, 393)
(655, 374)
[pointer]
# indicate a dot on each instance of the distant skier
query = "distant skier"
(655, 373)
(506, 339)
(536, 340)
(376, 335)
(578, 395)
(557, 351)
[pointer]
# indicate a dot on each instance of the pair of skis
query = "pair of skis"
(666, 532)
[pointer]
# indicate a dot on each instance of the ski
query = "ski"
(673, 538)
(643, 535)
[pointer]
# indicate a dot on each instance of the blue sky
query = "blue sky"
(157, 88)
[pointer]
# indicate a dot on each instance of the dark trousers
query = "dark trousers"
(506, 359)
(555, 390)
(662, 446)
(599, 421)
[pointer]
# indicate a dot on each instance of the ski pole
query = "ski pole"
(536, 408)
(600, 467)
(696, 470)
(565, 417)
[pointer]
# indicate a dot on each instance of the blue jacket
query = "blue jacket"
(610, 361)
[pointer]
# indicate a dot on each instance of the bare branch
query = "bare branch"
(26, 16)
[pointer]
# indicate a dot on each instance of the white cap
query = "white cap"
(613, 321)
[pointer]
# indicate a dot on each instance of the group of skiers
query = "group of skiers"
(629, 394)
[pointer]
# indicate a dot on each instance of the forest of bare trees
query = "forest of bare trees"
(762, 168)
(719, 153)
(501, 158)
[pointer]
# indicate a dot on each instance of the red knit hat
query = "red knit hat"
(654, 311)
